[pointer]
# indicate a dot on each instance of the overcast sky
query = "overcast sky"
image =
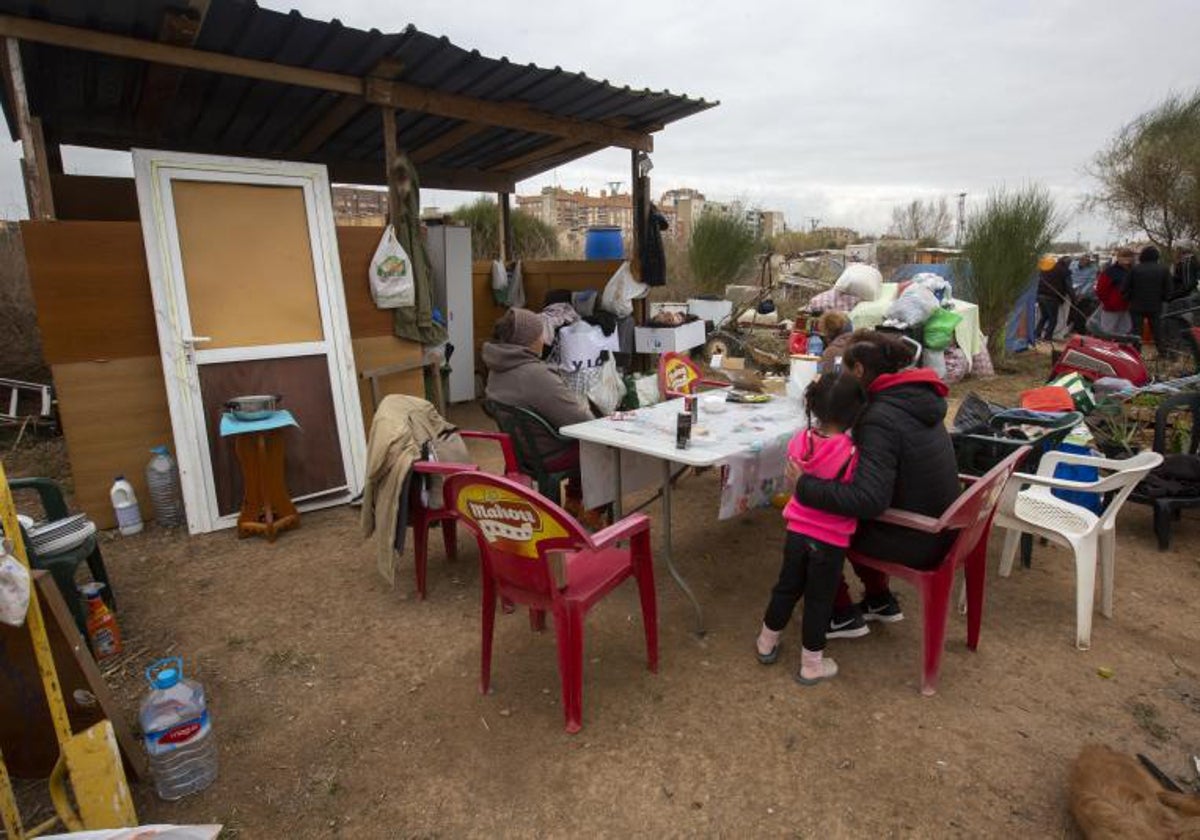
(833, 110)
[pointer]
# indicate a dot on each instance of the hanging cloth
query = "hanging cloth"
(414, 323)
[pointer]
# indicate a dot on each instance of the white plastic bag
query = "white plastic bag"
(647, 390)
(581, 346)
(912, 308)
(609, 389)
(861, 280)
(391, 274)
(935, 360)
(935, 283)
(14, 588)
(620, 291)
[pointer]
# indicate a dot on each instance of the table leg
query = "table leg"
(618, 510)
(666, 548)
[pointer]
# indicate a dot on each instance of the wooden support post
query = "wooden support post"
(391, 152)
(33, 144)
(640, 210)
(505, 232)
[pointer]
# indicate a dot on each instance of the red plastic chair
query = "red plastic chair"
(533, 553)
(971, 517)
(421, 517)
(678, 376)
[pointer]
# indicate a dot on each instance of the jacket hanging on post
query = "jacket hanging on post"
(654, 259)
(413, 322)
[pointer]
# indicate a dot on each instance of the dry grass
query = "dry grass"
(21, 349)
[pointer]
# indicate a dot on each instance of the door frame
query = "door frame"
(154, 172)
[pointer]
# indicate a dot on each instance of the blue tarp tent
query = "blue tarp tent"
(1019, 334)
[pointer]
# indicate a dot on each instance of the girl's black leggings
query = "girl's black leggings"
(811, 570)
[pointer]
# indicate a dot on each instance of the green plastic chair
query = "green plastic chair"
(539, 447)
(63, 565)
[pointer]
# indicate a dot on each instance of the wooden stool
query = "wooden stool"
(266, 504)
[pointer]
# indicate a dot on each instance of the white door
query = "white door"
(248, 298)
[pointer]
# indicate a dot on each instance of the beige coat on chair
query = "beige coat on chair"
(402, 425)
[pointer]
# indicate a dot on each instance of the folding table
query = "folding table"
(739, 431)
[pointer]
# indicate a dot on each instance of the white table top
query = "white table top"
(740, 428)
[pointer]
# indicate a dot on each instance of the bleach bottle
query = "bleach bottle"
(125, 505)
(177, 732)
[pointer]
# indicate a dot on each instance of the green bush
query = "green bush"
(722, 251)
(533, 239)
(1003, 242)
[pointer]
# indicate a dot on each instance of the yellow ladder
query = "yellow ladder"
(90, 760)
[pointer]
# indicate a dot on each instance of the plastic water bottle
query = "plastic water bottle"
(125, 505)
(816, 345)
(162, 477)
(177, 732)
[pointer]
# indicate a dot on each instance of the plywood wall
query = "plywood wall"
(96, 316)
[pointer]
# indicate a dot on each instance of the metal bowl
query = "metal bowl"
(254, 407)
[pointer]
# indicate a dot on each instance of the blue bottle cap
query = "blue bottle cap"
(160, 450)
(166, 678)
(165, 672)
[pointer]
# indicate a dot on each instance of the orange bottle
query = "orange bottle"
(103, 633)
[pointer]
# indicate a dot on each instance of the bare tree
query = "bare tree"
(1149, 173)
(927, 222)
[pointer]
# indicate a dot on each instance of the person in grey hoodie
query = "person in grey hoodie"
(517, 376)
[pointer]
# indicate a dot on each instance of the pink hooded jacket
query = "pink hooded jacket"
(822, 457)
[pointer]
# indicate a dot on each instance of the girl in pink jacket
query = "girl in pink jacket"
(816, 540)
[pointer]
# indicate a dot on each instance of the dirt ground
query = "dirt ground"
(348, 709)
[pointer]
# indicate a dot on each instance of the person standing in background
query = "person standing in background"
(1054, 288)
(1149, 283)
(1083, 285)
(1112, 288)
(1185, 274)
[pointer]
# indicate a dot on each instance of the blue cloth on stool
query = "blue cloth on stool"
(230, 425)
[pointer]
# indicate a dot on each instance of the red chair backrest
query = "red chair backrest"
(971, 513)
(676, 373)
(516, 528)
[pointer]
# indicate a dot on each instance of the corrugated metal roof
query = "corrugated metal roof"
(91, 99)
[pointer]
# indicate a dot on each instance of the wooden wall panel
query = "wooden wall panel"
(112, 414)
(94, 198)
(356, 247)
(380, 351)
(92, 290)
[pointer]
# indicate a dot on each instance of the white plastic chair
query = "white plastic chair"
(1029, 506)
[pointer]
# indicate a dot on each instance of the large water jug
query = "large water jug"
(125, 505)
(177, 732)
(162, 477)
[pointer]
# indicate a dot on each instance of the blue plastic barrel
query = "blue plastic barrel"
(603, 243)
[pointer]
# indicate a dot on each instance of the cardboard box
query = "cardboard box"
(668, 339)
(717, 311)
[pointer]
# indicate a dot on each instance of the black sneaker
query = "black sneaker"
(848, 625)
(885, 608)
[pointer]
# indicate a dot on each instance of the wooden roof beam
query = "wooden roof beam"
(508, 114)
(180, 28)
(544, 151)
(445, 142)
(431, 177)
(340, 113)
(376, 91)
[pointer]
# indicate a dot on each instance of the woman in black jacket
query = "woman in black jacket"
(1149, 285)
(906, 461)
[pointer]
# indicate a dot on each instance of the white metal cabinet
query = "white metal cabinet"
(449, 249)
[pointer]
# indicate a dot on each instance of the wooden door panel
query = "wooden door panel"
(314, 455)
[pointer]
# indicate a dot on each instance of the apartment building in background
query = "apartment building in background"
(574, 210)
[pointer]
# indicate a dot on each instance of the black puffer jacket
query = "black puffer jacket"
(1149, 283)
(905, 460)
